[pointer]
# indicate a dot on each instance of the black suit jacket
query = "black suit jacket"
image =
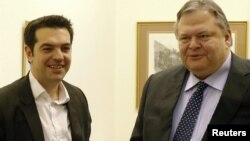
(161, 93)
(19, 119)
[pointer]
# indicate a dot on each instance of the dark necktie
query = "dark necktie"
(186, 125)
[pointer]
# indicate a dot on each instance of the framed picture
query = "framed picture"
(25, 63)
(239, 35)
(157, 48)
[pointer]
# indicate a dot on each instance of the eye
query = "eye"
(184, 39)
(46, 48)
(66, 48)
(204, 36)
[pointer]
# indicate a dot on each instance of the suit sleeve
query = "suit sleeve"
(2, 127)
(137, 134)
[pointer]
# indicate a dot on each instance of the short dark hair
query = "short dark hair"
(50, 21)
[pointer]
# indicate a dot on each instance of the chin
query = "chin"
(197, 68)
(58, 78)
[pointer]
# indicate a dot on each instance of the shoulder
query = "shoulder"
(166, 79)
(10, 94)
(71, 87)
(170, 73)
(240, 64)
(14, 87)
(75, 92)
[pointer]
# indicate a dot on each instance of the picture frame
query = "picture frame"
(239, 33)
(25, 63)
(160, 36)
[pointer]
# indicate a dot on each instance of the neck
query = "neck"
(53, 91)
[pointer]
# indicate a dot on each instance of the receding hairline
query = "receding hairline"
(204, 5)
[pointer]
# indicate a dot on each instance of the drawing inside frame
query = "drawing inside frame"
(157, 48)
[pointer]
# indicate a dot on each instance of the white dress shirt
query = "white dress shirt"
(53, 114)
(211, 97)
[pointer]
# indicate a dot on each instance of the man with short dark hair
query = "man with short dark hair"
(41, 106)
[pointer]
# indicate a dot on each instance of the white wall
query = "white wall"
(104, 50)
(129, 12)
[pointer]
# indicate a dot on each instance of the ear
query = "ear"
(228, 38)
(28, 53)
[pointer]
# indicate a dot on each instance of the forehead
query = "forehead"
(60, 34)
(49, 30)
(197, 16)
(195, 20)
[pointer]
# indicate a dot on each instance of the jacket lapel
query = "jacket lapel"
(29, 109)
(174, 92)
(233, 92)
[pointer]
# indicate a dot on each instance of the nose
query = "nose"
(58, 55)
(194, 43)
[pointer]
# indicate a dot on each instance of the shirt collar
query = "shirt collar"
(212, 80)
(38, 90)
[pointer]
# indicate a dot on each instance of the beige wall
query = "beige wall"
(104, 50)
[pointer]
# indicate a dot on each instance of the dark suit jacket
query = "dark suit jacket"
(161, 93)
(19, 119)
